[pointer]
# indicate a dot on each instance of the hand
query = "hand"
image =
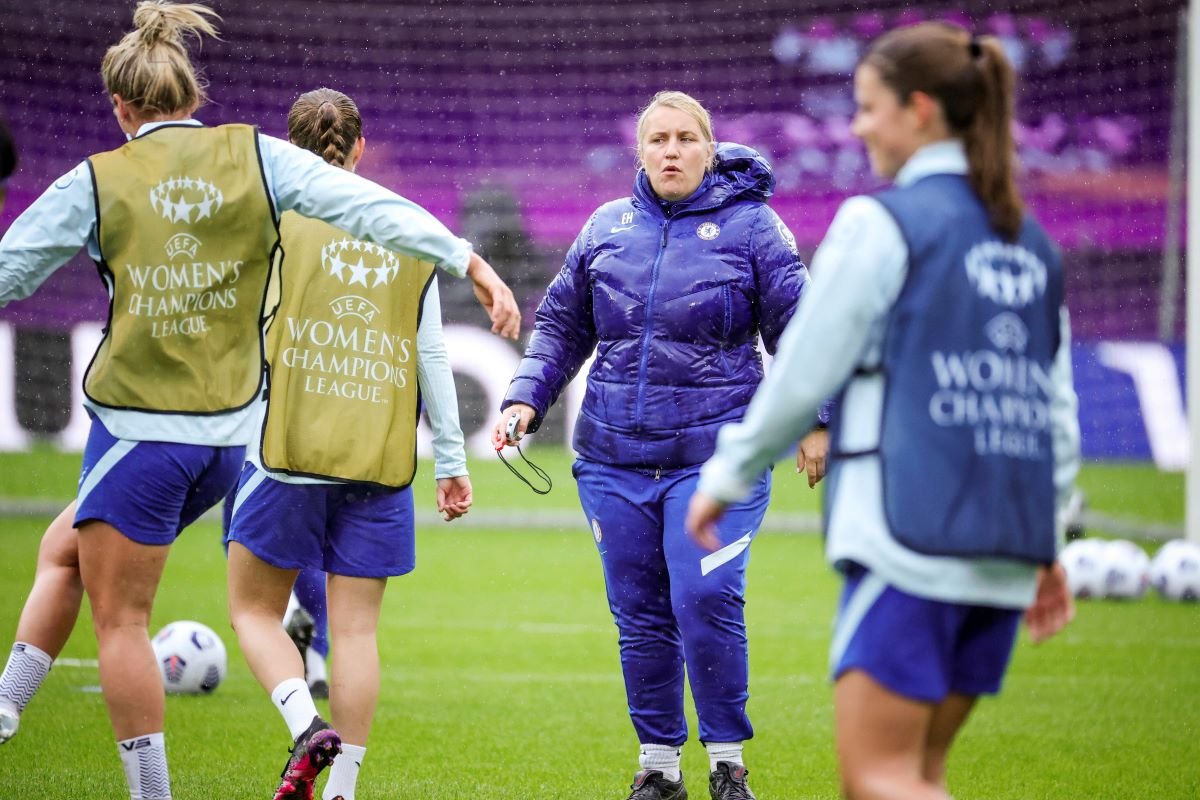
(701, 523)
(453, 497)
(526, 414)
(495, 297)
(1052, 606)
(811, 455)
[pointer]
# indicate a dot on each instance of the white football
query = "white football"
(1126, 570)
(1175, 570)
(1086, 565)
(191, 657)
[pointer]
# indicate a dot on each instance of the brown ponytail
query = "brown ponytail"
(991, 152)
(149, 68)
(972, 81)
(326, 122)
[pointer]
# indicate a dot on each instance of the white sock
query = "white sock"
(723, 751)
(314, 667)
(23, 675)
(343, 775)
(295, 703)
(662, 757)
(145, 761)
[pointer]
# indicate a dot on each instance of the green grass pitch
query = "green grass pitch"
(501, 677)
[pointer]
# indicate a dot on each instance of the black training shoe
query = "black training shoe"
(651, 784)
(728, 782)
(313, 751)
(300, 629)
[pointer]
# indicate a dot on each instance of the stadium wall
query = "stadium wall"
(1130, 394)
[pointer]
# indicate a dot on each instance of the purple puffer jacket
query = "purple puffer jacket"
(672, 297)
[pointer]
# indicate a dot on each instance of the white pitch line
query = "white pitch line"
(571, 520)
(85, 663)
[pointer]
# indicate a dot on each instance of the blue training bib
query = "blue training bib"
(966, 442)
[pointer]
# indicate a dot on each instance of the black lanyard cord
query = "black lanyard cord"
(541, 473)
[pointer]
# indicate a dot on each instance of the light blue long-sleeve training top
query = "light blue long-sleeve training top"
(857, 275)
(63, 220)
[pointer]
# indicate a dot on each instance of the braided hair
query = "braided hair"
(326, 122)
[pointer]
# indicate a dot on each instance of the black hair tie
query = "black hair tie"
(974, 47)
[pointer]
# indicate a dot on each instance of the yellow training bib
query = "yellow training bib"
(342, 353)
(186, 233)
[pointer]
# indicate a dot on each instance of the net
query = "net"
(514, 120)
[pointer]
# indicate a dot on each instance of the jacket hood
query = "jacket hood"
(740, 173)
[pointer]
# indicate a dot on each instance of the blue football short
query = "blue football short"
(340, 528)
(921, 649)
(151, 491)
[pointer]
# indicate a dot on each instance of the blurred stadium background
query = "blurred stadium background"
(513, 120)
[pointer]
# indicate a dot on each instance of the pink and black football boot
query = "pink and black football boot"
(313, 751)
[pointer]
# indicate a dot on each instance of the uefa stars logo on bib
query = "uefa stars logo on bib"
(1007, 274)
(185, 199)
(182, 244)
(1007, 332)
(351, 305)
(708, 231)
(355, 262)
